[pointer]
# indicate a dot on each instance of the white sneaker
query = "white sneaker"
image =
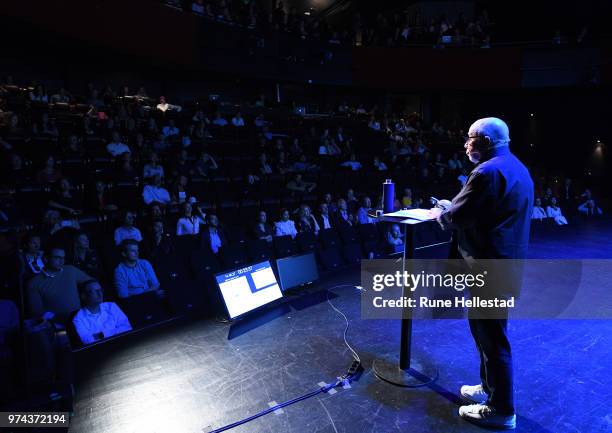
(474, 393)
(486, 416)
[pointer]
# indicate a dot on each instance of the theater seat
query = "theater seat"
(329, 238)
(259, 250)
(331, 259)
(284, 246)
(306, 242)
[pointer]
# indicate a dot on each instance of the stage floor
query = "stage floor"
(199, 376)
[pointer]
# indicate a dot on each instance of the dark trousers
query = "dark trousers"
(491, 337)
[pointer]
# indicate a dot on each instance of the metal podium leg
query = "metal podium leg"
(404, 372)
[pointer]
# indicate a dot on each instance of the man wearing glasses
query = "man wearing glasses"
(490, 219)
(53, 293)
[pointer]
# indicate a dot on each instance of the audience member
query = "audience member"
(63, 200)
(83, 257)
(323, 218)
(189, 224)
(285, 226)
(342, 217)
(49, 174)
(554, 211)
(127, 229)
(116, 147)
(155, 192)
(262, 229)
(30, 256)
(213, 235)
(538, 212)
(134, 276)
(153, 167)
(362, 212)
(98, 320)
(394, 241)
(53, 293)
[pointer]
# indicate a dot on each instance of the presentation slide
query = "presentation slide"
(248, 288)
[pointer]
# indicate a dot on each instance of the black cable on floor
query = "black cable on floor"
(345, 379)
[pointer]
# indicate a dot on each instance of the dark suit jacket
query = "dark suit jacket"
(491, 215)
(337, 221)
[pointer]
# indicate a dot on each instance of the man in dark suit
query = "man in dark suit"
(490, 219)
(343, 216)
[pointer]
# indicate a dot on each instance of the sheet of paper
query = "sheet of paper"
(416, 214)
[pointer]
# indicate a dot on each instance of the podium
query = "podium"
(427, 240)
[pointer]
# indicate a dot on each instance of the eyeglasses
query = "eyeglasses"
(474, 136)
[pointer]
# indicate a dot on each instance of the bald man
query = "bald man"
(490, 219)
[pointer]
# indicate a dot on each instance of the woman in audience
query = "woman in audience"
(157, 243)
(180, 190)
(153, 167)
(49, 174)
(306, 221)
(206, 165)
(188, 223)
(125, 171)
(407, 198)
(264, 167)
(82, 256)
(30, 256)
(538, 211)
(554, 211)
(285, 226)
(127, 230)
(262, 229)
(64, 201)
(100, 199)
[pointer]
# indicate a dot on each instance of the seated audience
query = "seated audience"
(342, 217)
(378, 165)
(306, 221)
(324, 219)
(213, 235)
(394, 241)
(30, 256)
(100, 200)
(63, 200)
(205, 164)
(153, 167)
(189, 224)
(170, 130)
(589, 208)
(116, 147)
(125, 171)
(362, 212)
(352, 163)
(49, 174)
(538, 212)
(285, 226)
(134, 276)
(407, 198)
(157, 244)
(218, 120)
(155, 192)
(554, 211)
(237, 120)
(84, 257)
(127, 229)
(163, 106)
(298, 185)
(53, 293)
(98, 320)
(262, 229)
